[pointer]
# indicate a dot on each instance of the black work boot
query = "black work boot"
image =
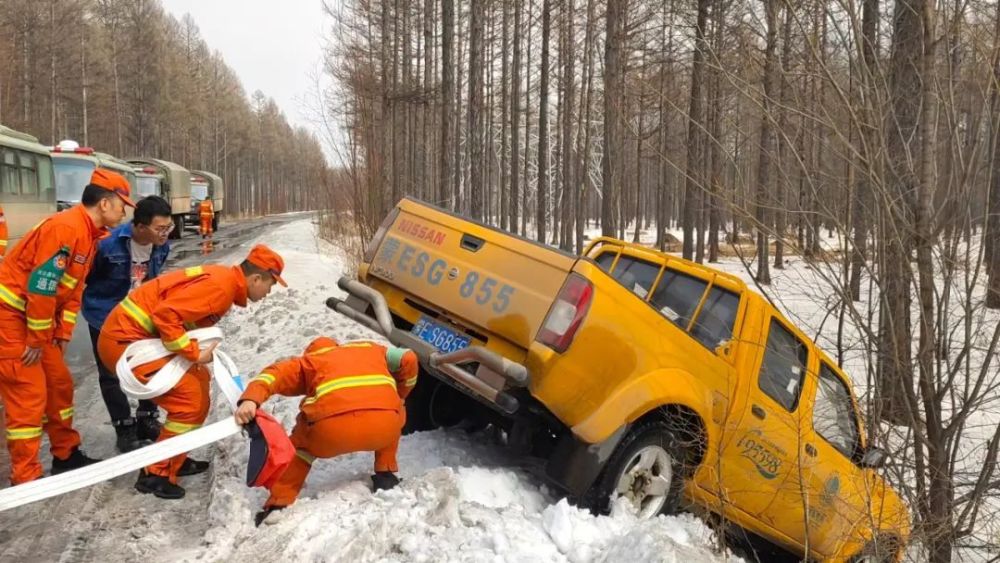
(384, 480)
(158, 486)
(76, 460)
(147, 425)
(127, 435)
(192, 467)
(259, 518)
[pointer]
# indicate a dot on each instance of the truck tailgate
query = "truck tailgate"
(485, 279)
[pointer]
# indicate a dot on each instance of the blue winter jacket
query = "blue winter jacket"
(110, 279)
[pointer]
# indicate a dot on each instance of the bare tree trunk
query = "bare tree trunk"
(715, 132)
(766, 155)
(504, 188)
(695, 168)
(586, 103)
(781, 189)
(862, 201)
(515, 116)
(543, 127)
(446, 197)
(613, 96)
(474, 127)
(569, 189)
(991, 235)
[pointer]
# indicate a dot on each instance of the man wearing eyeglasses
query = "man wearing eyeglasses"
(133, 254)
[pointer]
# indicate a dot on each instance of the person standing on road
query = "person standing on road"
(354, 403)
(166, 308)
(133, 254)
(41, 282)
(206, 213)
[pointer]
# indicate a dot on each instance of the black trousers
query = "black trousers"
(111, 390)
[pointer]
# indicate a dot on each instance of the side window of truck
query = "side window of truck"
(636, 275)
(714, 325)
(834, 417)
(677, 296)
(783, 367)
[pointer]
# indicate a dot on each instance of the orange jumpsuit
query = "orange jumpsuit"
(354, 403)
(206, 213)
(40, 290)
(3, 234)
(168, 306)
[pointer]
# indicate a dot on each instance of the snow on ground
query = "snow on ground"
(461, 498)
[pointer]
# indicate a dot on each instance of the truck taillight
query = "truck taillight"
(379, 235)
(567, 313)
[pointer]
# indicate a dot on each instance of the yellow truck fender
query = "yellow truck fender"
(642, 394)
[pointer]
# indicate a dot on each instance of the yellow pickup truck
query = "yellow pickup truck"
(633, 377)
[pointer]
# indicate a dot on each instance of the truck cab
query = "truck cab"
(206, 185)
(73, 166)
(630, 375)
(27, 184)
(168, 180)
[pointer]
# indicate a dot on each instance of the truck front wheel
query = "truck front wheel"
(645, 471)
(178, 231)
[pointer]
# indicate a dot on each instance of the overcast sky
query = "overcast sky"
(274, 47)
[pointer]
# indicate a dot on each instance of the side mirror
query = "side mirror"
(873, 458)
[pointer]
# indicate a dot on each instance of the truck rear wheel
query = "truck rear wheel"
(178, 231)
(646, 471)
(215, 223)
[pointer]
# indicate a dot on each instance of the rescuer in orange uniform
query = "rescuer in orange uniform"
(206, 213)
(354, 403)
(3, 234)
(166, 307)
(40, 290)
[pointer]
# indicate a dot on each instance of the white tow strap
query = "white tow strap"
(223, 370)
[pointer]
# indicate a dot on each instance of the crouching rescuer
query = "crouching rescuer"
(353, 402)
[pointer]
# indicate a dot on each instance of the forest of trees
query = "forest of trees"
(126, 78)
(761, 128)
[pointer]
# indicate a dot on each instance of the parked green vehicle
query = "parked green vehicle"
(168, 180)
(27, 184)
(206, 185)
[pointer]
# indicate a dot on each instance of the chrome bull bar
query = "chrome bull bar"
(494, 374)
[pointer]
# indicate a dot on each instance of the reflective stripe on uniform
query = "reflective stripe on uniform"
(138, 315)
(179, 427)
(194, 271)
(411, 381)
(69, 281)
(350, 382)
(39, 324)
(305, 456)
(69, 317)
(66, 413)
(11, 298)
(24, 433)
(179, 344)
(356, 345)
(3, 242)
(322, 350)
(265, 377)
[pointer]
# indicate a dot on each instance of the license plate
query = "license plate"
(439, 336)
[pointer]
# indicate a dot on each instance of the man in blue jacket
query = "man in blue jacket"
(134, 253)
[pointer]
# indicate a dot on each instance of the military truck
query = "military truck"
(168, 180)
(27, 185)
(73, 166)
(206, 185)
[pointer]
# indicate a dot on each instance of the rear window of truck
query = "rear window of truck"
(677, 296)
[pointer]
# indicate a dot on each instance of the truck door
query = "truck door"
(838, 493)
(759, 462)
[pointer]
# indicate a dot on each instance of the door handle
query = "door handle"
(810, 450)
(758, 412)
